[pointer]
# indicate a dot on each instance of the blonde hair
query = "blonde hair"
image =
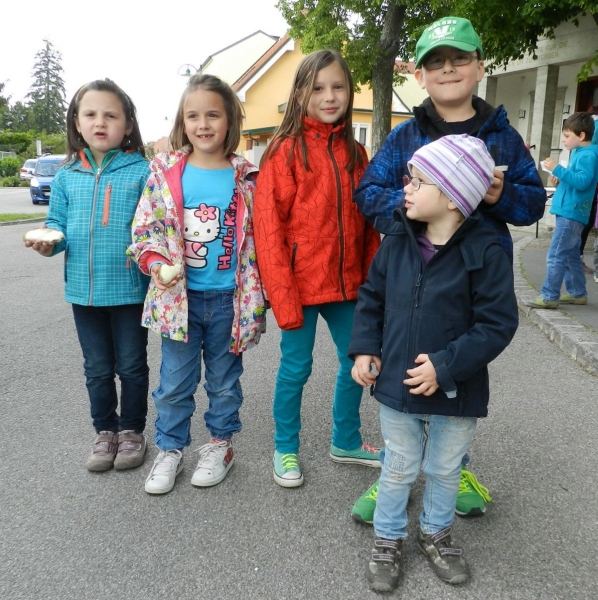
(296, 111)
(232, 106)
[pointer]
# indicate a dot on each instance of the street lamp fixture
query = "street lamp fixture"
(187, 70)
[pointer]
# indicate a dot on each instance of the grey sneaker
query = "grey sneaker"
(447, 561)
(384, 565)
(131, 450)
(103, 452)
(162, 477)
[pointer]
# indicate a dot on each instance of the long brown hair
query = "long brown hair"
(232, 106)
(296, 111)
(74, 140)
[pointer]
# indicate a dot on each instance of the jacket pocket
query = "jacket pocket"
(293, 256)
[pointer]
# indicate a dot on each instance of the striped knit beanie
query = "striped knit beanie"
(460, 166)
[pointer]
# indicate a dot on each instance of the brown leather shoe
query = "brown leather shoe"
(103, 452)
(131, 450)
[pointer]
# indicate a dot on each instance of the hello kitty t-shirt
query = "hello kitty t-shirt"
(210, 228)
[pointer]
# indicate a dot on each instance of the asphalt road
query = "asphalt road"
(18, 200)
(67, 533)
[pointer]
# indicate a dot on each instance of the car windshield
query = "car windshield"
(30, 164)
(47, 169)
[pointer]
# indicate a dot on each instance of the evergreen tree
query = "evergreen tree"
(47, 94)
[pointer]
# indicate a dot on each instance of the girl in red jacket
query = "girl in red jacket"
(314, 248)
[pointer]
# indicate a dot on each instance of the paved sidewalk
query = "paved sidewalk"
(574, 329)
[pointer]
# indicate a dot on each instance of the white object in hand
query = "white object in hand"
(44, 234)
(545, 168)
(167, 273)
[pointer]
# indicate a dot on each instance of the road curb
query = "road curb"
(574, 339)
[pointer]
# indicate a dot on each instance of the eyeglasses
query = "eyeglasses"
(416, 182)
(437, 61)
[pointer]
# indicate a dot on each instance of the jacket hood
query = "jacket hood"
(436, 127)
(166, 160)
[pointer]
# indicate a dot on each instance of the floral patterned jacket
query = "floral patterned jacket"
(157, 228)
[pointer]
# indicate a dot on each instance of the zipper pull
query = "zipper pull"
(417, 286)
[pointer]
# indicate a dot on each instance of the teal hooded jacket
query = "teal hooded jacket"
(577, 185)
(94, 208)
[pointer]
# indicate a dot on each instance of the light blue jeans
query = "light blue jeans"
(437, 444)
(296, 347)
(210, 324)
(563, 261)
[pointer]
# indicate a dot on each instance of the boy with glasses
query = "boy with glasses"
(437, 307)
(449, 65)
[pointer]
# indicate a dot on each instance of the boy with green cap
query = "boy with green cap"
(449, 65)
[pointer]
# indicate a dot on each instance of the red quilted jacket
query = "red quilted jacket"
(313, 244)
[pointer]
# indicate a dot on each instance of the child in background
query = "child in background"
(571, 203)
(448, 66)
(196, 213)
(437, 307)
(314, 248)
(94, 197)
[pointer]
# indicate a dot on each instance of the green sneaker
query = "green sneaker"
(540, 302)
(569, 299)
(287, 472)
(366, 455)
(363, 509)
(472, 497)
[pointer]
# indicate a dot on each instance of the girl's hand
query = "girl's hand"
(154, 272)
(424, 377)
(362, 372)
(44, 248)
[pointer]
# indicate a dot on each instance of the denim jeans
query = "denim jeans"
(296, 347)
(210, 323)
(114, 343)
(563, 261)
(437, 444)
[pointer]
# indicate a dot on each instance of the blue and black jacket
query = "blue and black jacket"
(523, 198)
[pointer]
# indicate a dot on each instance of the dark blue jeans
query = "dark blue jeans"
(114, 343)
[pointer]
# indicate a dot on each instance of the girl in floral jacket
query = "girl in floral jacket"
(193, 234)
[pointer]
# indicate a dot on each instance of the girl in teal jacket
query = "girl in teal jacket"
(93, 200)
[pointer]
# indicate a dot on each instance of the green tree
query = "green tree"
(47, 94)
(4, 105)
(19, 118)
(509, 29)
(371, 34)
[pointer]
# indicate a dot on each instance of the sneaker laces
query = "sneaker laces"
(373, 495)
(469, 481)
(289, 462)
(369, 449)
(166, 462)
(212, 453)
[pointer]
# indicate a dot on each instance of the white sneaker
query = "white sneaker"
(161, 479)
(215, 460)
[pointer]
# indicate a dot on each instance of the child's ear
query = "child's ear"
(582, 136)
(453, 206)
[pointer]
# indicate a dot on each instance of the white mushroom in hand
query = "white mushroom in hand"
(45, 235)
(167, 273)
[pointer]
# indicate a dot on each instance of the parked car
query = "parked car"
(41, 182)
(28, 168)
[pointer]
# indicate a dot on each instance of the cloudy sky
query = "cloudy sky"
(140, 44)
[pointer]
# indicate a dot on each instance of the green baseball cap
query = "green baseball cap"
(448, 31)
